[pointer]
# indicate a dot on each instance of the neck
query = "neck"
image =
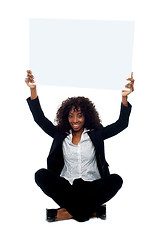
(77, 134)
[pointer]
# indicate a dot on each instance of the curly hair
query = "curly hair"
(88, 109)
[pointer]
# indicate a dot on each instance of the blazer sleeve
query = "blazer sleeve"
(40, 118)
(122, 123)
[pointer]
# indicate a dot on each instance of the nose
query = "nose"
(75, 119)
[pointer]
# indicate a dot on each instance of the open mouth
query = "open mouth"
(75, 125)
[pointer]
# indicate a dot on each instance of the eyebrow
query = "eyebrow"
(79, 112)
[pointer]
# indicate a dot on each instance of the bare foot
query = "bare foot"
(94, 214)
(62, 214)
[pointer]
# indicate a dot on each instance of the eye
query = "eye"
(80, 115)
(70, 116)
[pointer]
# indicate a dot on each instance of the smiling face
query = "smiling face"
(76, 119)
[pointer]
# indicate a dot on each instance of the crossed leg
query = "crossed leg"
(80, 200)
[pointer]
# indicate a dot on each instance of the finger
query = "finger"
(125, 93)
(29, 72)
(132, 88)
(27, 80)
(31, 78)
(129, 85)
(30, 84)
(30, 75)
(27, 83)
(130, 79)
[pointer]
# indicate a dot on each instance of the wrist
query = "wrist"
(33, 93)
(33, 87)
(125, 101)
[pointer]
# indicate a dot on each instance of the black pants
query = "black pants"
(83, 197)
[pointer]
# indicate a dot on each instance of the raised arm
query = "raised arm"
(122, 123)
(125, 93)
(36, 109)
(31, 83)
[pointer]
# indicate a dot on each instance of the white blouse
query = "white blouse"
(79, 160)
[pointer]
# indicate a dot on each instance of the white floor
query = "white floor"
(24, 218)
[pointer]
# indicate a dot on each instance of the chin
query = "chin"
(77, 129)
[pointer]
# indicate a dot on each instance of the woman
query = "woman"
(77, 177)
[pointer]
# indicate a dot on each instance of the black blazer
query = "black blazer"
(55, 159)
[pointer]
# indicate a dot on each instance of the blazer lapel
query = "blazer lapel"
(92, 135)
(57, 141)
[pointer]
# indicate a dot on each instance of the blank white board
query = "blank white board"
(81, 53)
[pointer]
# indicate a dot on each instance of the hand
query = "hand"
(30, 80)
(130, 85)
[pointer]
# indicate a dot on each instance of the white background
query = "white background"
(24, 147)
